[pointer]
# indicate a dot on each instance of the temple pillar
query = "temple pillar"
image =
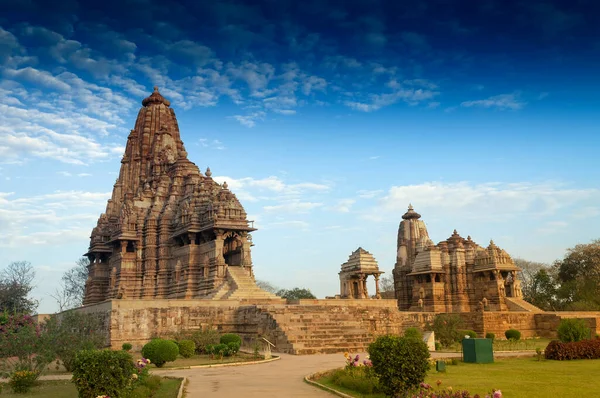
(377, 293)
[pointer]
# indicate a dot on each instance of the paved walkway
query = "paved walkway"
(282, 378)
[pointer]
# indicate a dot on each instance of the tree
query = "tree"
(72, 286)
(579, 276)
(386, 284)
(542, 291)
(16, 283)
(528, 271)
(295, 294)
(267, 286)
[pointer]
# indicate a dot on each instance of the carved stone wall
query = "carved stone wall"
(303, 326)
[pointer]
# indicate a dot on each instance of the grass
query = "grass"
(65, 389)
(180, 362)
(197, 360)
(516, 378)
(506, 345)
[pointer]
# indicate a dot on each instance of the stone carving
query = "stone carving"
(159, 236)
(456, 275)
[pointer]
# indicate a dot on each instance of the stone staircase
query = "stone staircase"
(322, 329)
(520, 305)
(241, 286)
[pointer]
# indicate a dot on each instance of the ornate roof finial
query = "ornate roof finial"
(225, 186)
(492, 243)
(155, 98)
(208, 172)
(411, 214)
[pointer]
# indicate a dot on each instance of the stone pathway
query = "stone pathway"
(282, 378)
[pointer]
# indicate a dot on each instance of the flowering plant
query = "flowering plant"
(352, 362)
(426, 391)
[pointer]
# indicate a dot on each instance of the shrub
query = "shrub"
(512, 334)
(413, 333)
(446, 328)
(102, 372)
(360, 379)
(126, 346)
(24, 345)
(21, 381)
(572, 329)
(470, 333)
(438, 346)
(489, 335)
(187, 348)
(160, 351)
(400, 363)
(233, 347)
(229, 338)
(204, 338)
(74, 332)
(584, 349)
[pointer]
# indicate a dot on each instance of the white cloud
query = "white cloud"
(48, 219)
(343, 205)
(487, 201)
(250, 119)
(293, 207)
(366, 194)
(501, 102)
(375, 102)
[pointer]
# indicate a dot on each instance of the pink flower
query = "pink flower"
(497, 394)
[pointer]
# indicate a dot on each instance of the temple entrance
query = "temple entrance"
(233, 250)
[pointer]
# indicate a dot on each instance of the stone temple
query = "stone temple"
(172, 252)
(169, 231)
(456, 275)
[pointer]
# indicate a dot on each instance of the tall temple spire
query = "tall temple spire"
(168, 231)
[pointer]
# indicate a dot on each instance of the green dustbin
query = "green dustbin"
(478, 350)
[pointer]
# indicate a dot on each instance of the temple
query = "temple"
(168, 231)
(456, 275)
(354, 273)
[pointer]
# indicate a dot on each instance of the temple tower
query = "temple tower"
(168, 231)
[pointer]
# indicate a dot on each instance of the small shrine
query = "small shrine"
(354, 273)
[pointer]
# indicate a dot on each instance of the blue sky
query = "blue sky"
(325, 118)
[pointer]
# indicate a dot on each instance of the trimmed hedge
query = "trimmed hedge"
(126, 346)
(584, 349)
(470, 333)
(102, 372)
(230, 338)
(160, 351)
(187, 348)
(512, 334)
(490, 335)
(400, 363)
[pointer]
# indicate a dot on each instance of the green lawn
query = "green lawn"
(505, 345)
(65, 389)
(206, 360)
(518, 378)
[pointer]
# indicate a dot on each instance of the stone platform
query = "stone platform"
(303, 326)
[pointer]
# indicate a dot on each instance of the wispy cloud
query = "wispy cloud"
(501, 102)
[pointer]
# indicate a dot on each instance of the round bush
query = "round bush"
(230, 338)
(470, 333)
(126, 346)
(102, 372)
(400, 363)
(571, 329)
(187, 348)
(489, 335)
(234, 347)
(512, 334)
(160, 351)
(413, 333)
